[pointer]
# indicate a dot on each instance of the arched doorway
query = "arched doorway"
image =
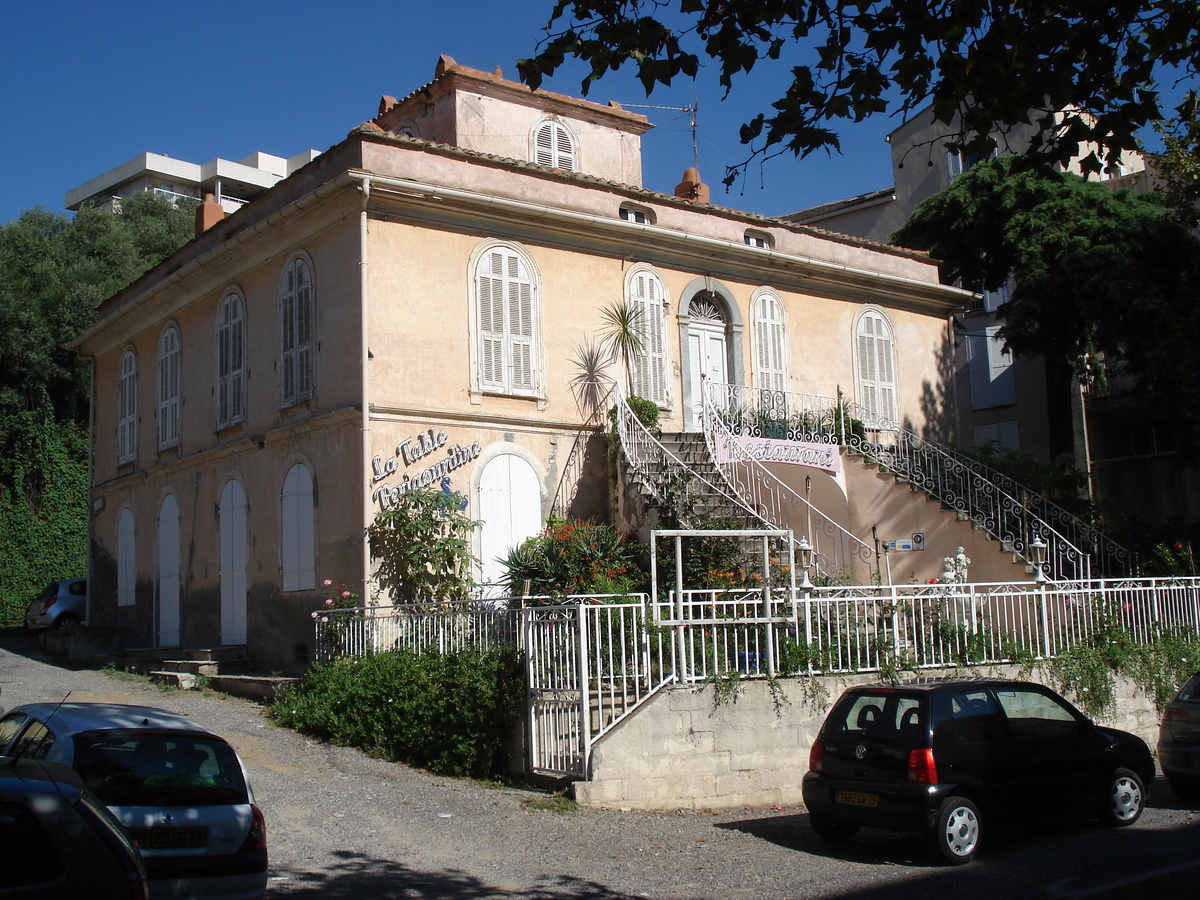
(168, 572)
(707, 328)
(510, 510)
(232, 515)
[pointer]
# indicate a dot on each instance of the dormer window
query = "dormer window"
(637, 214)
(553, 145)
(758, 239)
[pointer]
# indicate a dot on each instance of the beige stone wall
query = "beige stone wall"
(681, 750)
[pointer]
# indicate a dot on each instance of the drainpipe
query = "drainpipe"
(364, 360)
(91, 480)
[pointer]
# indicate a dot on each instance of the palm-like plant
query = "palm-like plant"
(591, 386)
(622, 334)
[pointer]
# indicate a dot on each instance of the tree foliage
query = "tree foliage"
(54, 272)
(982, 64)
(1178, 165)
(423, 546)
(1095, 271)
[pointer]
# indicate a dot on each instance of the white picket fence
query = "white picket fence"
(592, 661)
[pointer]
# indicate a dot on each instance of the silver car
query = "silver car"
(60, 605)
(179, 788)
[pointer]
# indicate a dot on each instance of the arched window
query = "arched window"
(168, 388)
(296, 333)
(553, 145)
(297, 532)
(127, 401)
(876, 369)
(126, 558)
(506, 307)
(644, 292)
(770, 350)
(231, 343)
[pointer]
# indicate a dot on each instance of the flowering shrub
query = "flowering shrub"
(336, 597)
(1171, 559)
(422, 543)
(572, 556)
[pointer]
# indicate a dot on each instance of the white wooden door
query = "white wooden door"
(510, 508)
(168, 573)
(706, 353)
(233, 564)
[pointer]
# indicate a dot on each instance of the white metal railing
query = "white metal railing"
(834, 630)
(664, 474)
(592, 661)
(835, 550)
(1007, 510)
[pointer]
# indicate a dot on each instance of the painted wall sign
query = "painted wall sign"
(420, 446)
(771, 450)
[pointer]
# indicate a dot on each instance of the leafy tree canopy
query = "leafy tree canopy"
(54, 272)
(983, 64)
(1094, 271)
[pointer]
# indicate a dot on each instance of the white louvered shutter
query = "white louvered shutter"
(649, 375)
(768, 333)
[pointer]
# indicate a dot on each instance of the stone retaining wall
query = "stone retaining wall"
(683, 749)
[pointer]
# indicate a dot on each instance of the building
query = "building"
(408, 308)
(231, 183)
(1013, 402)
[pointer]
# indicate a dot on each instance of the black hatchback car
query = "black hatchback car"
(953, 757)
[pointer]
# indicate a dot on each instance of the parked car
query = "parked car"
(178, 787)
(60, 605)
(953, 757)
(1179, 740)
(60, 841)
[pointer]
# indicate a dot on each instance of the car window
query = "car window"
(34, 742)
(9, 728)
(976, 718)
(24, 839)
(141, 769)
(1191, 691)
(1033, 715)
(878, 715)
(78, 587)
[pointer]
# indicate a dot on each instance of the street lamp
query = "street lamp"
(1039, 558)
(806, 554)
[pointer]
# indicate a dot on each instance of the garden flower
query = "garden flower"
(328, 582)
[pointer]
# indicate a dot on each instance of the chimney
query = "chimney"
(208, 214)
(692, 188)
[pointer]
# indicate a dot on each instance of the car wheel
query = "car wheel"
(956, 830)
(1124, 800)
(830, 829)
(66, 621)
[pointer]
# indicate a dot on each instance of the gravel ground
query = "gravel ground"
(341, 824)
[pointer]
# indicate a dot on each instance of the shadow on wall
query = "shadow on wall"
(937, 399)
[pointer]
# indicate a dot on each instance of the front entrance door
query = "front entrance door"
(510, 509)
(707, 360)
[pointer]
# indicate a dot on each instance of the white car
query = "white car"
(179, 788)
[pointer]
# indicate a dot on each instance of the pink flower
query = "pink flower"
(328, 582)
(314, 615)
(329, 601)
(345, 593)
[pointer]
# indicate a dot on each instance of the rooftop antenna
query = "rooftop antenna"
(693, 111)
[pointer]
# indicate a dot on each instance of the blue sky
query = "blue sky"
(85, 86)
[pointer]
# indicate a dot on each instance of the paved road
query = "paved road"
(343, 825)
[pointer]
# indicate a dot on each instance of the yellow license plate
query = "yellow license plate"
(169, 838)
(857, 798)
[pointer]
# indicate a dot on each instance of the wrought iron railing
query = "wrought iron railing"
(1006, 509)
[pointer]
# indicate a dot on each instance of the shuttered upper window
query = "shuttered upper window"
(168, 388)
(645, 294)
(127, 399)
(231, 343)
(876, 370)
(553, 145)
(506, 304)
(770, 356)
(296, 334)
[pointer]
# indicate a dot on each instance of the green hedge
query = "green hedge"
(453, 714)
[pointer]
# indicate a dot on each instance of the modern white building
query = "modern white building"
(231, 183)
